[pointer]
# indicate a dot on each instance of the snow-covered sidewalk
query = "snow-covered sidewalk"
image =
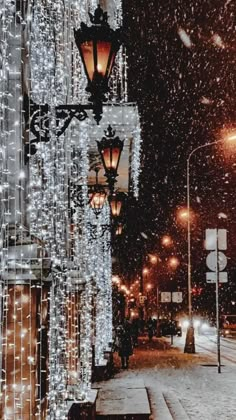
(182, 386)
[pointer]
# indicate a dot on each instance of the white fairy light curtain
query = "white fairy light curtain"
(23, 310)
(100, 237)
(136, 156)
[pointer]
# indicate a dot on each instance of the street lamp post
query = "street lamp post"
(190, 341)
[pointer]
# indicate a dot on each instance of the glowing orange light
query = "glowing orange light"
(153, 259)
(183, 214)
(173, 262)
(119, 229)
(145, 271)
(231, 137)
(116, 279)
(228, 143)
(166, 240)
(228, 134)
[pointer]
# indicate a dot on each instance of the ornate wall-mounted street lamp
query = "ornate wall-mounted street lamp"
(116, 202)
(119, 229)
(110, 148)
(97, 196)
(98, 45)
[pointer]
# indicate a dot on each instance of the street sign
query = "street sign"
(177, 297)
(216, 239)
(165, 297)
(216, 260)
(142, 299)
(211, 277)
(212, 261)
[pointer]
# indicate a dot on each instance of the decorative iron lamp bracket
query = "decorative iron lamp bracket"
(39, 120)
(93, 230)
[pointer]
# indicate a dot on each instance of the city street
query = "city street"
(207, 344)
(117, 210)
(185, 386)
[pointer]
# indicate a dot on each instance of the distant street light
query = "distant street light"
(153, 259)
(231, 137)
(190, 341)
(173, 262)
(145, 271)
(183, 214)
(166, 240)
(116, 280)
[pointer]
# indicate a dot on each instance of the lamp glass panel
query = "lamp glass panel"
(111, 157)
(111, 64)
(115, 157)
(87, 52)
(103, 53)
(119, 230)
(106, 157)
(116, 207)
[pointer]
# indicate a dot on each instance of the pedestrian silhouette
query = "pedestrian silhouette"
(125, 348)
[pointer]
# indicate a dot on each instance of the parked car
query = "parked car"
(228, 325)
(168, 327)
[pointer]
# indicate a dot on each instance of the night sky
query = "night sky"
(181, 57)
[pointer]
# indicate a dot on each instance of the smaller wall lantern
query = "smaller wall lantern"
(110, 148)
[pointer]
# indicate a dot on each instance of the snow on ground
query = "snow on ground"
(191, 390)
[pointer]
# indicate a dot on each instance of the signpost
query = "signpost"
(171, 297)
(165, 297)
(216, 242)
(142, 299)
(177, 297)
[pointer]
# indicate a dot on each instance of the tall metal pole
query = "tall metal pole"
(157, 303)
(217, 305)
(190, 344)
(141, 282)
(141, 291)
(190, 339)
(189, 245)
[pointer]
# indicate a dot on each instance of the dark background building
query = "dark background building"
(182, 74)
